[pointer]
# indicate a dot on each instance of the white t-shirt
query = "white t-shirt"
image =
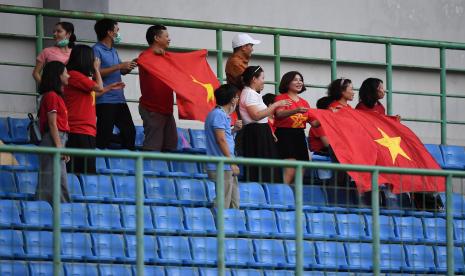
(250, 97)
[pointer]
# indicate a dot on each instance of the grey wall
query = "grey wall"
(423, 19)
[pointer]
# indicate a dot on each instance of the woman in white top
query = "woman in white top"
(257, 139)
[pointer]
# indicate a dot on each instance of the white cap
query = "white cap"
(243, 39)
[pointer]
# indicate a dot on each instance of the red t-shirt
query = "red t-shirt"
(314, 139)
(378, 107)
(338, 105)
(80, 101)
(298, 120)
(52, 102)
(156, 95)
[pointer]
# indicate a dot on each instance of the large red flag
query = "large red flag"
(190, 76)
(369, 138)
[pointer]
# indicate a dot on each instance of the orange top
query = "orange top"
(235, 66)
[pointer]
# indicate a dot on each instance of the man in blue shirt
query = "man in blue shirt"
(112, 109)
(220, 141)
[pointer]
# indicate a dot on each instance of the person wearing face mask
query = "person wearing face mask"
(112, 109)
(220, 141)
(341, 92)
(65, 39)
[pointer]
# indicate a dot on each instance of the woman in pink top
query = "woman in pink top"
(64, 42)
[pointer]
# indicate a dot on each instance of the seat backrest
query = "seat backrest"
(160, 188)
(309, 252)
(185, 167)
(191, 189)
(247, 272)
(234, 221)
(9, 212)
(331, 254)
(420, 256)
(18, 129)
(314, 196)
(12, 268)
(441, 257)
(206, 271)
(4, 130)
(27, 182)
(7, 183)
(151, 270)
(279, 195)
(359, 254)
(37, 213)
(252, 193)
(459, 227)
(101, 164)
(200, 219)
(153, 165)
(74, 185)
(198, 138)
(42, 268)
(140, 136)
(167, 218)
(204, 249)
(435, 229)
(183, 139)
(125, 186)
(74, 215)
(386, 227)
(435, 151)
(104, 215)
(392, 256)
(270, 252)
(39, 243)
(76, 245)
(261, 221)
(351, 225)
(27, 161)
(81, 269)
(108, 245)
(409, 228)
(150, 247)
(321, 224)
(114, 269)
(121, 163)
(286, 222)
(181, 271)
(11, 243)
(100, 186)
(238, 251)
(128, 215)
(454, 156)
(174, 248)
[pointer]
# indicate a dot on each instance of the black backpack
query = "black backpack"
(35, 137)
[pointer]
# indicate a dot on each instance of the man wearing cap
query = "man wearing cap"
(239, 60)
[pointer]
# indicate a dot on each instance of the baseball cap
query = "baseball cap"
(243, 39)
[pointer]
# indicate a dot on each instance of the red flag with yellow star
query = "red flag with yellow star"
(369, 138)
(190, 77)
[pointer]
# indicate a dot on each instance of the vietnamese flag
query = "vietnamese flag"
(369, 138)
(190, 76)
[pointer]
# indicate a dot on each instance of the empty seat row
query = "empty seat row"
(448, 157)
(14, 130)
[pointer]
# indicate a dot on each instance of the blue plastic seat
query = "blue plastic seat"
(151, 270)
(213, 272)
(140, 136)
(247, 272)
(309, 253)
(458, 201)
(9, 213)
(125, 187)
(459, 227)
(454, 157)
(128, 215)
(74, 215)
(261, 222)
(156, 167)
(198, 140)
(420, 258)
(435, 151)
(160, 190)
(279, 195)
(351, 226)
(409, 228)
(115, 270)
(321, 224)
(108, 247)
(184, 143)
(167, 219)
(360, 255)
(12, 268)
(101, 164)
(74, 186)
(39, 244)
(441, 259)
(199, 220)
(81, 269)
(26, 162)
(18, 130)
(392, 257)
(5, 136)
(174, 249)
(27, 183)
(119, 165)
(252, 195)
(191, 191)
(234, 221)
(204, 249)
(314, 197)
(97, 187)
(8, 184)
(186, 169)
(238, 252)
(76, 246)
(386, 227)
(150, 247)
(105, 216)
(181, 271)
(331, 255)
(42, 269)
(270, 253)
(279, 273)
(286, 222)
(435, 229)
(211, 190)
(11, 243)
(37, 213)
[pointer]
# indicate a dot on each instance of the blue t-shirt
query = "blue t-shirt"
(218, 119)
(109, 57)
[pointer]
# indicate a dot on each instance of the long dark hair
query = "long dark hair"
(81, 59)
(69, 28)
(287, 79)
(51, 77)
(250, 73)
(368, 93)
(336, 87)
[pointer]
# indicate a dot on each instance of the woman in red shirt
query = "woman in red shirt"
(371, 91)
(53, 120)
(291, 120)
(341, 92)
(317, 139)
(79, 97)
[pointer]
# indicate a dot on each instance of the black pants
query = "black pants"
(79, 164)
(109, 115)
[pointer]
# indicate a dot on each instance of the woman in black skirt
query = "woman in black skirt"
(291, 121)
(257, 139)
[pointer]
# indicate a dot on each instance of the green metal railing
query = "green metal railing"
(220, 162)
(277, 57)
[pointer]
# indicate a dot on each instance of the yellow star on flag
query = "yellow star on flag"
(298, 119)
(393, 145)
(208, 87)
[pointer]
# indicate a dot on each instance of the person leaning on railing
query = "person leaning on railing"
(53, 120)
(64, 41)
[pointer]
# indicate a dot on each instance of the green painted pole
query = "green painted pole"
(39, 33)
(333, 54)
(299, 235)
(56, 214)
(450, 226)
(220, 216)
(442, 61)
(277, 62)
(375, 216)
(139, 217)
(219, 55)
(389, 78)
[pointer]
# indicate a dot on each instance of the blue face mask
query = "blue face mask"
(63, 43)
(118, 38)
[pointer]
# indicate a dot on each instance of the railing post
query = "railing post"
(56, 214)
(450, 226)
(277, 62)
(375, 217)
(220, 216)
(442, 61)
(219, 55)
(389, 78)
(299, 264)
(139, 217)
(333, 57)
(39, 33)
